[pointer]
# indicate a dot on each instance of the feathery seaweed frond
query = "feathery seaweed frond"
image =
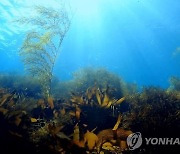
(41, 46)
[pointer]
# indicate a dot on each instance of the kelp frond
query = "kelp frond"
(41, 46)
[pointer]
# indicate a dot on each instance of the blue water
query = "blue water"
(134, 38)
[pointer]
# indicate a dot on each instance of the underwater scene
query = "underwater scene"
(89, 76)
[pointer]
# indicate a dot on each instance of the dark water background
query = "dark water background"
(133, 38)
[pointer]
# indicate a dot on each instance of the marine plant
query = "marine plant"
(20, 85)
(41, 45)
(89, 77)
(85, 122)
(155, 113)
(174, 83)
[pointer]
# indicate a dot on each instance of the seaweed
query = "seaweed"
(154, 112)
(84, 120)
(41, 46)
(89, 77)
(21, 85)
(174, 83)
(102, 78)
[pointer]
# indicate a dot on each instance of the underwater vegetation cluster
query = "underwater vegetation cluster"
(96, 117)
(174, 84)
(21, 84)
(86, 77)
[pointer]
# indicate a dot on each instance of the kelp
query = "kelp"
(93, 120)
(86, 78)
(80, 83)
(49, 123)
(174, 84)
(102, 78)
(154, 112)
(21, 85)
(41, 46)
